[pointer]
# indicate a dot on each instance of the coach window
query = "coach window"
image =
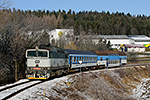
(77, 59)
(95, 59)
(80, 59)
(101, 58)
(74, 59)
(83, 58)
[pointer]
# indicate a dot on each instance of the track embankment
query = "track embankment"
(109, 84)
(123, 83)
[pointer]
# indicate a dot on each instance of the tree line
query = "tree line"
(94, 22)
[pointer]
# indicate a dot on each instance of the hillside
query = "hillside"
(108, 84)
(19, 28)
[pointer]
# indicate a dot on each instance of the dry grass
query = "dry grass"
(116, 84)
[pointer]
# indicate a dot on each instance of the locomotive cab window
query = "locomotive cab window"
(42, 53)
(37, 54)
(31, 54)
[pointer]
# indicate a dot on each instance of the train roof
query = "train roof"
(110, 52)
(69, 51)
(79, 52)
(51, 48)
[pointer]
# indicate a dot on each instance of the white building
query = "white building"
(132, 48)
(57, 33)
(115, 40)
(139, 39)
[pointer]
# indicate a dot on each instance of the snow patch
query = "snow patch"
(142, 90)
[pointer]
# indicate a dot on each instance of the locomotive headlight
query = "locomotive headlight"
(29, 68)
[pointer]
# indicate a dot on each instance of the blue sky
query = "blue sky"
(134, 7)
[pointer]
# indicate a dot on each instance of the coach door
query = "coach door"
(107, 63)
(70, 60)
(120, 61)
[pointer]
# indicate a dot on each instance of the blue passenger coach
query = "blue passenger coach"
(78, 58)
(110, 58)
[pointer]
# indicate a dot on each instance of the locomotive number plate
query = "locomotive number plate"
(36, 68)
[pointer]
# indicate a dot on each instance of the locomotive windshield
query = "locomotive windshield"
(31, 54)
(37, 54)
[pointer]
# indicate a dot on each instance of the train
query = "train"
(44, 62)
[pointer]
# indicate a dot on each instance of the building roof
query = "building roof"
(134, 45)
(138, 37)
(64, 30)
(115, 37)
(104, 36)
(109, 52)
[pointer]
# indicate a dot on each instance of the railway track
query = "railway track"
(10, 91)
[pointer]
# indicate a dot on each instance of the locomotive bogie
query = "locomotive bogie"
(38, 73)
